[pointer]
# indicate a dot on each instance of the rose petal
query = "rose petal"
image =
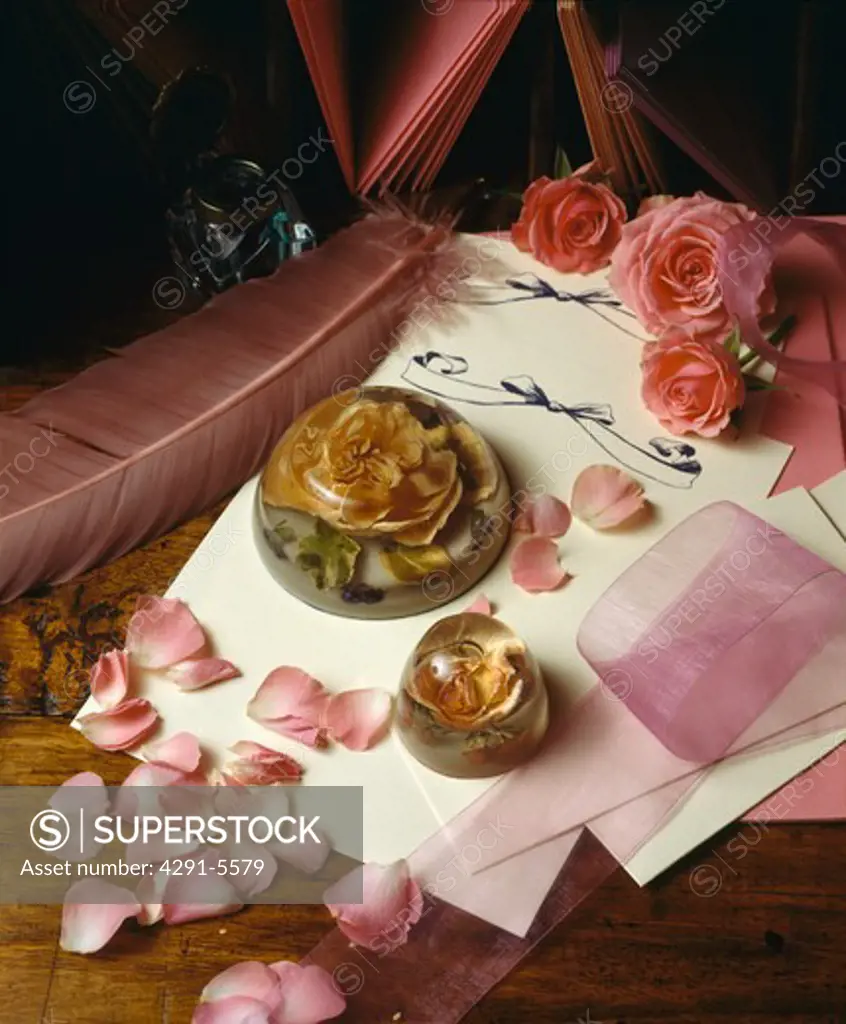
(149, 773)
(545, 516)
(181, 751)
(359, 718)
(292, 703)
(196, 673)
(183, 913)
(605, 496)
(235, 1010)
(481, 606)
(309, 994)
(188, 898)
(110, 679)
(88, 926)
(535, 566)
(84, 791)
(150, 893)
(391, 904)
(258, 765)
(162, 632)
(121, 727)
(245, 883)
(249, 978)
(654, 203)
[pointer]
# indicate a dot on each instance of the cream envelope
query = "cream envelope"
(577, 352)
(831, 497)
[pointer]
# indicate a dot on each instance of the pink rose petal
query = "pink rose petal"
(545, 516)
(195, 673)
(110, 679)
(309, 994)
(188, 898)
(92, 780)
(359, 718)
(293, 704)
(481, 606)
(85, 791)
(249, 978)
(604, 497)
(307, 857)
(235, 1010)
(257, 765)
(121, 727)
(149, 773)
(82, 795)
(392, 903)
(244, 883)
(150, 893)
(162, 632)
(181, 751)
(535, 566)
(654, 203)
(88, 926)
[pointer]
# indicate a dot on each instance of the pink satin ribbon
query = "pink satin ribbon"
(745, 258)
(758, 666)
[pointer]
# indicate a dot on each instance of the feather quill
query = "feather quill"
(152, 436)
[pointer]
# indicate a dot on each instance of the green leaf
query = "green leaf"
(562, 164)
(732, 342)
(411, 565)
(757, 384)
(489, 738)
(284, 533)
(328, 556)
(776, 338)
(781, 332)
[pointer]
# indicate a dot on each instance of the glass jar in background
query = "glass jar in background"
(228, 218)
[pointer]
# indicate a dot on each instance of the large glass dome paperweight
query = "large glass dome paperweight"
(380, 503)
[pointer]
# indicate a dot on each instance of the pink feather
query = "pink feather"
(149, 438)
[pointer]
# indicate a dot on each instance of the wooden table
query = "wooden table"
(766, 946)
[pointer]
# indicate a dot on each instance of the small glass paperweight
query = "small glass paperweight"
(379, 503)
(472, 702)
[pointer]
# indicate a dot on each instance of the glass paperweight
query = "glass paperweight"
(472, 702)
(379, 503)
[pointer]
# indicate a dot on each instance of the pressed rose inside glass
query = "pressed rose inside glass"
(472, 701)
(381, 503)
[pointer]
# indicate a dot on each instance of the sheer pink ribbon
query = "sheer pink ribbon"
(726, 638)
(745, 257)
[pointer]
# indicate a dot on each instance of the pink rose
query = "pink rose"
(665, 267)
(570, 224)
(691, 385)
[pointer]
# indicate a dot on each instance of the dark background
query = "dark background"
(85, 199)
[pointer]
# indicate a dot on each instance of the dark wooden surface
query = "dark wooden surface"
(767, 947)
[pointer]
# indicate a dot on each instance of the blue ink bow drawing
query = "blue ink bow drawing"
(667, 461)
(600, 301)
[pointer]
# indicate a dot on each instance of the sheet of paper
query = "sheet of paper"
(567, 348)
(581, 356)
(831, 497)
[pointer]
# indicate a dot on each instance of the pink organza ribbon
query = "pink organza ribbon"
(690, 674)
(745, 257)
